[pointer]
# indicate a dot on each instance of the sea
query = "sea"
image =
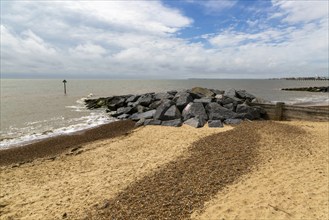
(35, 109)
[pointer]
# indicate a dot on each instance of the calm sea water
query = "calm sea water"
(36, 109)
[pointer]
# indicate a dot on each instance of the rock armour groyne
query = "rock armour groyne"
(194, 107)
(309, 89)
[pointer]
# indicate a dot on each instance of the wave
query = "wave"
(54, 126)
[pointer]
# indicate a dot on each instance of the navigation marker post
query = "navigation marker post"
(64, 81)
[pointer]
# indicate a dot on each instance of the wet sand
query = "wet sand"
(51, 147)
(268, 170)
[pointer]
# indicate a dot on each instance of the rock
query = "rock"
(203, 100)
(155, 104)
(217, 112)
(115, 102)
(232, 121)
(163, 95)
(146, 115)
(145, 99)
(219, 96)
(228, 100)
(132, 98)
(194, 106)
(171, 113)
(132, 104)
(215, 124)
(217, 92)
(182, 99)
(95, 103)
(259, 100)
(195, 122)
(161, 110)
(194, 110)
(203, 92)
(230, 93)
(248, 111)
(152, 122)
(140, 109)
(174, 123)
(123, 116)
(309, 89)
(244, 95)
(230, 106)
(140, 122)
(172, 92)
(124, 110)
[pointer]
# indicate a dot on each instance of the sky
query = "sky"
(164, 39)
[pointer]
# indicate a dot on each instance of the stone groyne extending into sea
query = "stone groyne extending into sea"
(194, 107)
(309, 89)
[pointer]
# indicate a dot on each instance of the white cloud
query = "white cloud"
(137, 39)
(88, 51)
(302, 10)
(292, 49)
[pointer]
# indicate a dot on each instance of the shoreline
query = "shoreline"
(256, 169)
(53, 146)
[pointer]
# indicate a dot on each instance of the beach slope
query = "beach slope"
(272, 170)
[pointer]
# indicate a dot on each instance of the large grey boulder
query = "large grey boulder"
(229, 100)
(171, 113)
(172, 92)
(230, 106)
(122, 110)
(195, 122)
(96, 103)
(249, 112)
(163, 95)
(203, 92)
(217, 91)
(132, 98)
(182, 99)
(145, 99)
(243, 94)
(204, 100)
(233, 121)
(174, 123)
(215, 124)
(161, 110)
(194, 110)
(115, 102)
(155, 104)
(230, 93)
(140, 108)
(152, 122)
(140, 122)
(146, 115)
(218, 112)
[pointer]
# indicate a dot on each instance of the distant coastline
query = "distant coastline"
(302, 78)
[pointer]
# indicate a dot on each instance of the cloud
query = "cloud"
(301, 11)
(86, 36)
(291, 49)
(139, 39)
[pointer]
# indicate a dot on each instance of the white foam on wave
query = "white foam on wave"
(315, 100)
(80, 107)
(25, 135)
(78, 124)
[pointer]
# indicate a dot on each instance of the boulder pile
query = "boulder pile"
(309, 89)
(194, 107)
